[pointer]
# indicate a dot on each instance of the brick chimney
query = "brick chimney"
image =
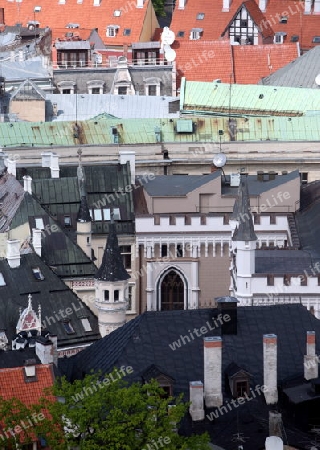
(270, 368)
(311, 359)
(196, 408)
(212, 371)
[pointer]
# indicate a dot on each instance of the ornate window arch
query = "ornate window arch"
(172, 290)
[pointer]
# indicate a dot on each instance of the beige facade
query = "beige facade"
(29, 110)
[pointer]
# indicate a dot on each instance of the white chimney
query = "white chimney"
(226, 5)
(36, 240)
(274, 443)
(129, 156)
(46, 159)
(12, 166)
(263, 5)
(270, 368)
(311, 359)
(27, 180)
(44, 350)
(139, 3)
(316, 7)
(196, 408)
(181, 4)
(212, 371)
(54, 165)
(13, 253)
(307, 6)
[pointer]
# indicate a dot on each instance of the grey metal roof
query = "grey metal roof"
(282, 262)
(85, 106)
(72, 45)
(176, 185)
(299, 73)
(20, 70)
(28, 90)
(51, 293)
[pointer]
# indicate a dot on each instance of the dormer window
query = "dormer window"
(195, 34)
(67, 221)
(86, 324)
(279, 37)
(72, 25)
(316, 40)
(112, 30)
(238, 380)
(283, 19)
(68, 327)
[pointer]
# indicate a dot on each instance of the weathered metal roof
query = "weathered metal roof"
(214, 98)
(136, 131)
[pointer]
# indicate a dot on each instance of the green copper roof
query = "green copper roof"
(220, 98)
(137, 131)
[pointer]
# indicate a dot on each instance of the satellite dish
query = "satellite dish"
(98, 58)
(167, 36)
(317, 80)
(219, 160)
(170, 54)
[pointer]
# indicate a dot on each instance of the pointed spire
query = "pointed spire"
(112, 268)
(245, 228)
(83, 213)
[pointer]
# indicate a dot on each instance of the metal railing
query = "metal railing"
(108, 63)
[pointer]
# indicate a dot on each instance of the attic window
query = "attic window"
(86, 324)
(73, 25)
(68, 327)
(195, 34)
(127, 32)
(37, 9)
(294, 38)
(316, 39)
(37, 273)
(278, 37)
(112, 30)
(39, 223)
(200, 16)
(117, 13)
(180, 34)
(2, 282)
(67, 221)
(283, 19)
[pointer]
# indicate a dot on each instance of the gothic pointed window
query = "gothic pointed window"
(172, 292)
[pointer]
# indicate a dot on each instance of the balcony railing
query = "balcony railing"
(108, 64)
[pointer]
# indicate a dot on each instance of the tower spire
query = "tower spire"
(83, 213)
(242, 214)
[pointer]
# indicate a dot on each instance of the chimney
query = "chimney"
(196, 409)
(54, 165)
(46, 159)
(44, 350)
(316, 7)
(311, 359)
(226, 5)
(139, 3)
(228, 314)
(13, 253)
(307, 6)
(275, 424)
(212, 371)
(263, 5)
(274, 443)
(27, 184)
(36, 240)
(12, 166)
(54, 109)
(30, 369)
(181, 4)
(270, 368)
(129, 156)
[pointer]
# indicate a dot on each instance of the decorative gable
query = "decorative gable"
(29, 320)
(243, 30)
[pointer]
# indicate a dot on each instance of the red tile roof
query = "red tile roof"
(13, 384)
(57, 15)
(215, 21)
(210, 60)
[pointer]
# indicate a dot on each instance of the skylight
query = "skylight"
(86, 324)
(200, 16)
(39, 223)
(127, 32)
(37, 274)
(68, 327)
(316, 39)
(2, 282)
(180, 34)
(117, 13)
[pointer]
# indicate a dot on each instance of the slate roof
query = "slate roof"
(105, 185)
(16, 358)
(298, 73)
(13, 384)
(126, 106)
(307, 223)
(52, 294)
(210, 60)
(176, 185)
(283, 262)
(11, 196)
(145, 341)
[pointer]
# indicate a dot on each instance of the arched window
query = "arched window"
(172, 292)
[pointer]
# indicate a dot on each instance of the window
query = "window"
(116, 295)
(39, 223)
(316, 40)
(278, 39)
(68, 327)
(304, 177)
(95, 90)
(294, 38)
(126, 255)
(66, 91)
(117, 13)
(116, 214)
(106, 295)
(67, 221)
(97, 214)
(2, 282)
(111, 32)
(106, 213)
(200, 16)
(127, 32)
(122, 90)
(37, 274)
(273, 219)
(287, 280)
(241, 388)
(303, 281)
(164, 250)
(129, 298)
(179, 251)
(86, 324)
(152, 89)
(180, 34)
(243, 23)
(194, 35)
(283, 19)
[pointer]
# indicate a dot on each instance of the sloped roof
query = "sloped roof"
(298, 73)
(51, 293)
(282, 262)
(20, 70)
(215, 21)
(86, 14)
(11, 196)
(28, 90)
(13, 383)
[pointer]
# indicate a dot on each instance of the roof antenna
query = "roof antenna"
(112, 215)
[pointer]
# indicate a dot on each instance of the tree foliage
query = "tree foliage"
(158, 6)
(97, 412)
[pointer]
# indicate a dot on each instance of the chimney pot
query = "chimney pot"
(13, 253)
(311, 360)
(270, 368)
(213, 371)
(196, 408)
(54, 165)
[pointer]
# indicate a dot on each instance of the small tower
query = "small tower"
(244, 239)
(83, 217)
(111, 286)
(28, 327)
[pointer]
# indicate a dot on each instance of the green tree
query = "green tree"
(158, 6)
(96, 413)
